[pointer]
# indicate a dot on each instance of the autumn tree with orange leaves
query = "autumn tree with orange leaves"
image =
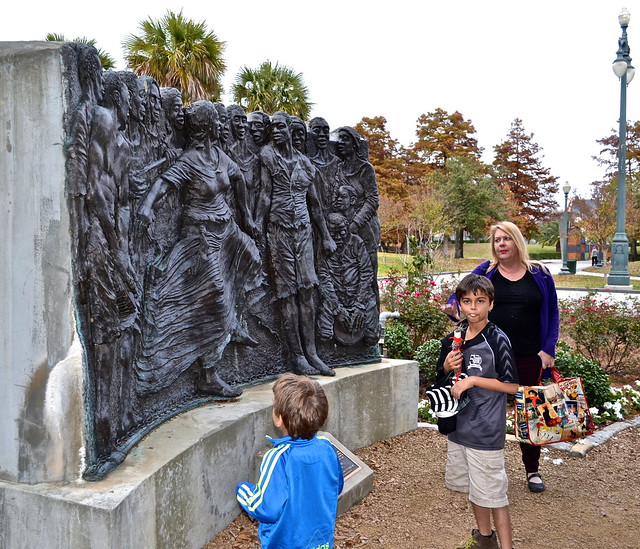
(518, 169)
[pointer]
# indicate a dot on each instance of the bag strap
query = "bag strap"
(556, 377)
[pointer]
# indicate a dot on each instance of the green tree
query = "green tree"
(106, 60)
(472, 198)
(179, 53)
(272, 88)
(549, 234)
(429, 217)
(518, 167)
(441, 136)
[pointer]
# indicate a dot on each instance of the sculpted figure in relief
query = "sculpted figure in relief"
(287, 208)
(193, 294)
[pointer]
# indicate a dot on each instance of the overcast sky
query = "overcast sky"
(547, 62)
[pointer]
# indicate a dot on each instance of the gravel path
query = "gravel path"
(591, 502)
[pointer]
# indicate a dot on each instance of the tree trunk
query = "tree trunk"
(459, 252)
(634, 249)
(405, 248)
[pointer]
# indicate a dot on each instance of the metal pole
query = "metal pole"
(619, 275)
(565, 237)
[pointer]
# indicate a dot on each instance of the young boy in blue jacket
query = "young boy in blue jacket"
(296, 497)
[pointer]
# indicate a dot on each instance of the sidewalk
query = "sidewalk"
(555, 265)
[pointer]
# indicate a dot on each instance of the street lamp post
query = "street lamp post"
(564, 234)
(619, 275)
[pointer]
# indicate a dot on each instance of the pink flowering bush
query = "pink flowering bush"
(418, 301)
(605, 330)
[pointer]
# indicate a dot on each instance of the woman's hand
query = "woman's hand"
(547, 360)
(450, 310)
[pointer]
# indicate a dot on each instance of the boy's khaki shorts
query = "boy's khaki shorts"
(479, 473)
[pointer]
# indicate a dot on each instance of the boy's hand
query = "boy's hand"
(453, 361)
(461, 386)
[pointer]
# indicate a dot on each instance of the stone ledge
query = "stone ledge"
(177, 486)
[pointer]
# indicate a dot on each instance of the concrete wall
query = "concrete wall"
(39, 376)
(177, 487)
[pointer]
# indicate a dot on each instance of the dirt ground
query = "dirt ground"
(590, 503)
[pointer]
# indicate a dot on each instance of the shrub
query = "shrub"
(624, 401)
(604, 330)
(397, 341)
(426, 355)
(425, 413)
(597, 386)
(539, 256)
(418, 301)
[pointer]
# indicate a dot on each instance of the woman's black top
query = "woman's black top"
(516, 311)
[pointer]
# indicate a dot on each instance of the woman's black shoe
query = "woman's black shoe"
(535, 486)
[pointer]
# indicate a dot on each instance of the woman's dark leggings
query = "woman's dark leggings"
(529, 374)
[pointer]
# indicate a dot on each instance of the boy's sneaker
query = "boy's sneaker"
(478, 541)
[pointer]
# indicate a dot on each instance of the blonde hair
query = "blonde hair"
(512, 230)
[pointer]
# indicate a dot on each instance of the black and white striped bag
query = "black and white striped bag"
(443, 404)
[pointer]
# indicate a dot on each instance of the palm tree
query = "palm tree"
(549, 234)
(179, 53)
(272, 88)
(106, 60)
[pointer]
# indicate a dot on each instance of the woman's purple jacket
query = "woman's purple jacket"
(549, 314)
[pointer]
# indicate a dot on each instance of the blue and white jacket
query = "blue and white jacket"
(296, 498)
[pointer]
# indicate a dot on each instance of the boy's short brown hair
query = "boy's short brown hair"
(474, 284)
(301, 403)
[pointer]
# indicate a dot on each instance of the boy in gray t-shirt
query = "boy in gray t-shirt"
(475, 452)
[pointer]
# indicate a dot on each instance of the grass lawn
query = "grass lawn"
(586, 281)
(473, 255)
(579, 281)
(387, 263)
(476, 253)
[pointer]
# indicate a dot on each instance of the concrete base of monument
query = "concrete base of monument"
(177, 486)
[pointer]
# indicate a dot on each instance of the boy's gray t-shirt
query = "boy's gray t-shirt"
(482, 423)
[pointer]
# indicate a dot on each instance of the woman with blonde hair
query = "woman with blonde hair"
(526, 309)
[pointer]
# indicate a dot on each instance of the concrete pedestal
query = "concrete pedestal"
(177, 487)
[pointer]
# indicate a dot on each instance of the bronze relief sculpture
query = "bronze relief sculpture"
(213, 248)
